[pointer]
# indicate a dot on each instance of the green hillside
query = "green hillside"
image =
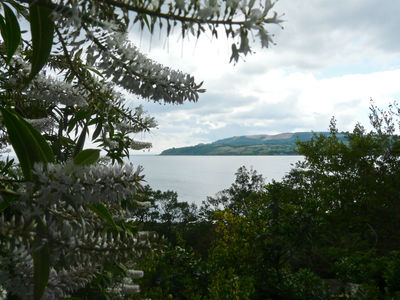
(279, 144)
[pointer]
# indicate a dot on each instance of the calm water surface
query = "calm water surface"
(196, 177)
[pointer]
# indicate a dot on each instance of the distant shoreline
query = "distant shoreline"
(283, 144)
(161, 154)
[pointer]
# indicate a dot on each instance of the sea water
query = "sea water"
(196, 177)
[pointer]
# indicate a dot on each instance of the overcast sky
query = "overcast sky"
(330, 59)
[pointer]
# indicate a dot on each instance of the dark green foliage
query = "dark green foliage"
(42, 29)
(174, 220)
(7, 189)
(329, 230)
(375, 274)
(87, 157)
(174, 272)
(239, 197)
(41, 265)
(356, 186)
(27, 142)
(10, 31)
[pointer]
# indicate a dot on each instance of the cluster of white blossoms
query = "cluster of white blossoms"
(61, 198)
(127, 286)
(19, 69)
(139, 145)
(139, 113)
(42, 124)
(54, 91)
(128, 68)
(85, 184)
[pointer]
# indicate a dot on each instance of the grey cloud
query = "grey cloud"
(287, 108)
(323, 33)
(354, 104)
(278, 117)
(209, 103)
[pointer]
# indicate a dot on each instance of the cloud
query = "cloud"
(321, 34)
(331, 58)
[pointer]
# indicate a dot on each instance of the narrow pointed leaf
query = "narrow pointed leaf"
(94, 71)
(97, 131)
(3, 29)
(81, 140)
(4, 203)
(6, 198)
(102, 211)
(41, 264)
(42, 30)
(87, 157)
(27, 142)
(7, 166)
(12, 31)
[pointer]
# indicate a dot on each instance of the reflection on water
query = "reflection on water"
(196, 177)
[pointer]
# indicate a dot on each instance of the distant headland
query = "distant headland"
(278, 144)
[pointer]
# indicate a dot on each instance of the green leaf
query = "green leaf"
(87, 157)
(4, 203)
(102, 211)
(97, 131)
(72, 124)
(18, 7)
(5, 169)
(3, 28)
(27, 142)
(94, 71)
(11, 33)
(123, 267)
(42, 30)
(144, 17)
(7, 197)
(41, 264)
(9, 192)
(81, 140)
(78, 54)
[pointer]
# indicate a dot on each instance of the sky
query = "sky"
(331, 59)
